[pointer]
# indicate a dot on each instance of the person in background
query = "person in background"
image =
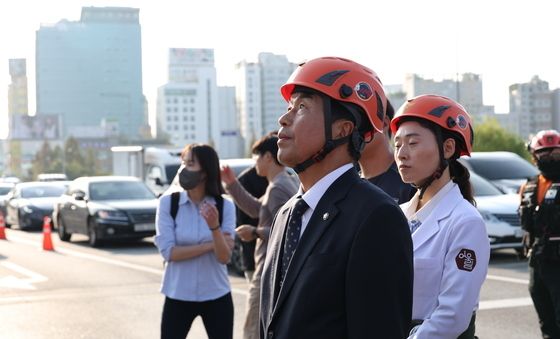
(282, 186)
(256, 186)
(377, 163)
(451, 248)
(540, 218)
(196, 245)
(339, 261)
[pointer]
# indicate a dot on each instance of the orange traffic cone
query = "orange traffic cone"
(2, 227)
(47, 241)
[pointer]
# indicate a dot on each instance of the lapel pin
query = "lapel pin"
(326, 216)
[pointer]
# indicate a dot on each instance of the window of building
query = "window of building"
(175, 118)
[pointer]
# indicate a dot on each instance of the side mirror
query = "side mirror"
(80, 196)
(158, 181)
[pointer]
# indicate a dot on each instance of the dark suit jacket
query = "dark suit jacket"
(351, 275)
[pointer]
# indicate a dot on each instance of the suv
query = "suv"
(507, 170)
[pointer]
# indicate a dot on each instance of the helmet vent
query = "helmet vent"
(438, 111)
(330, 78)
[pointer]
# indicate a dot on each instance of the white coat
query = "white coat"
(451, 254)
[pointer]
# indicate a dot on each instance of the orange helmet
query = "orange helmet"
(544, 139)
(442, 111)
(343, 80)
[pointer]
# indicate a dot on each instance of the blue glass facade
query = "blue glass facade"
(90, 71)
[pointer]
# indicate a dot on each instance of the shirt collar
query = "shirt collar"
(316, 192)
(423, 213)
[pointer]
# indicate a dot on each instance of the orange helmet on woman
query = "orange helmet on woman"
(543, 140)
(442, 111)
(344, 80)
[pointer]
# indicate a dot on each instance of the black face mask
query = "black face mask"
(189, 179)
(549, 168)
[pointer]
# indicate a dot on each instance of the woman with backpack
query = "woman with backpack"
(194, 234)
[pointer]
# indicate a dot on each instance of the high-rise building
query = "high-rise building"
(90, 71)
(229, 144)
(467, 91)
(187, 105)
(259, 101)
(17, 90)
(532, 103)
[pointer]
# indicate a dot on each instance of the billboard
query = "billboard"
(38, 127)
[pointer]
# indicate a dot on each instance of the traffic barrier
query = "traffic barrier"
(2, 227)
(47, 241)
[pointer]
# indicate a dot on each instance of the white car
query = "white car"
(499, 212)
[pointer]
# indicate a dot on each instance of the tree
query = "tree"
(490, 136)
(46, 160)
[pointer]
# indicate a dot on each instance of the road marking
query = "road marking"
(109, 261)
(507, 279)
(504, 303)
(21, 283)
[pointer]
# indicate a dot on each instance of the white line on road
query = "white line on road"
(507, 279)
(109, 261)
(21, 283)
(504, 303)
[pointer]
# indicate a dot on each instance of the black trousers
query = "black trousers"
(544, 287)
(217, 316)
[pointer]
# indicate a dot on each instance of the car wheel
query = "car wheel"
(62, 234)
(92, 234)
(236, 262)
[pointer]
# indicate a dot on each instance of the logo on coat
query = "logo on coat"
(466, 260)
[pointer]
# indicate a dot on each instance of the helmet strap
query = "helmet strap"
(330, 144)
(443, 163)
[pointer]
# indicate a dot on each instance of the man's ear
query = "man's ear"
(448, 148)
(342, 128)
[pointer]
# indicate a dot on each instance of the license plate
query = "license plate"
(144, 227)
(519, 233)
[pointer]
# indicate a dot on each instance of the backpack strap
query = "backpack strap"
(174, 204)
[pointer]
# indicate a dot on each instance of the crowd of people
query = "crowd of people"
(377, 234)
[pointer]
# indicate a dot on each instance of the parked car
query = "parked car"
(29, 202)
(506, 170)
(499, 211)
(52, 177)
(5, 188)
(106, 207)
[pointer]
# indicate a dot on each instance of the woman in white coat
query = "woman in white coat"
(451, 248)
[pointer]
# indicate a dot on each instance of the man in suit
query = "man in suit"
(339, 262)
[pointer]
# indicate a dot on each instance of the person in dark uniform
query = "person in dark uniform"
(256, 186)
(540, 218)
(377, 163)
(339, 261)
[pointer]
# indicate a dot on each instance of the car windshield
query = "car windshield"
(5, 190)
(503, 168)
(119, 190)
(42, 191)
(482, 187)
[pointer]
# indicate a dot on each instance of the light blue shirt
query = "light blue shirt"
(316, 192)
(200, 278)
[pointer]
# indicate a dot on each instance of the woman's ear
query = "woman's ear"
(448, 148)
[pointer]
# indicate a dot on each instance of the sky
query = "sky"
(505, 42)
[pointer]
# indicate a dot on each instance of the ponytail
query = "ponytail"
(460, 175)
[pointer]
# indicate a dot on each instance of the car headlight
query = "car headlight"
(112, 215)
(27, 209)
(487, 216)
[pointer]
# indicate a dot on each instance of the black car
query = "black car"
(106, 207)
(29, 202)
(507, 170)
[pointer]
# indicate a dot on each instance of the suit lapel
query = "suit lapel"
(322, 217)
(430, 226)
